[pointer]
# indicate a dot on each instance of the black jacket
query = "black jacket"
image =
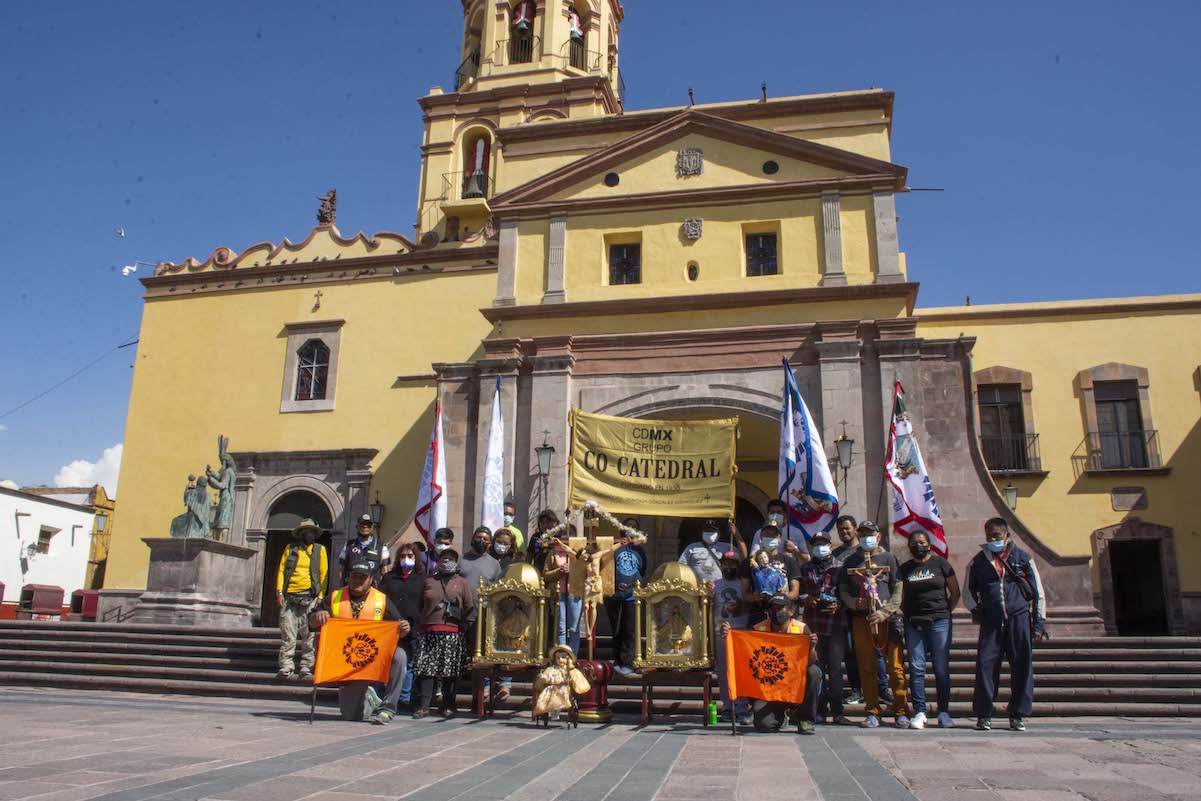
(405, 594)
(994, 599)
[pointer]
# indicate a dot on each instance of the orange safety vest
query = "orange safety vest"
(376, 603)
(794, 627)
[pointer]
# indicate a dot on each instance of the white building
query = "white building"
(43, 541)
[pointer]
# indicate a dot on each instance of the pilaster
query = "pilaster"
(506, 265)
(839, 355)
(888, 256)
(551, 367)
(556, 260)
(832, 272)
(458, 392)
(503, 362)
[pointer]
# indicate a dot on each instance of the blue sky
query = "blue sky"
(1063, 133)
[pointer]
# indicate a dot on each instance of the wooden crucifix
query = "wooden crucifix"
(870, 574)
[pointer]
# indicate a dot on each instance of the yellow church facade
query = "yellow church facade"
(653, 264)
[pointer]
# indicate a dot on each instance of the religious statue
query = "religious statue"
(328, 213)
(594, 586)
(559, 684)
(523, 15)
(223, 482)
(512, 625)
(674, 636)
(577, 29)
(194, 523)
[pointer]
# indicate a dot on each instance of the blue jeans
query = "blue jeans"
(406, 687)
(570, 610)
(937, 643)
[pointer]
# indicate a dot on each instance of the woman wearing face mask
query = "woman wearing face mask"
(441, 645)
(505, 549)
(535, 548)
(403, 586)
(931, 592)
(555, 573)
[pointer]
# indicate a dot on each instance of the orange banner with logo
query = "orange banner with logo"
(769, 667)
(355, 650)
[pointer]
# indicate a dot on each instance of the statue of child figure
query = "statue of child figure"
(558, 685)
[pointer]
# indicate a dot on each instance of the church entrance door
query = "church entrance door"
(286, 514)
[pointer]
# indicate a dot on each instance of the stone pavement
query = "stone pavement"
(70, 746)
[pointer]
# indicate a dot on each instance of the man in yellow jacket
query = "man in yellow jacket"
(301, 579)
(358, 600)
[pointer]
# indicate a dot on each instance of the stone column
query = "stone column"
(888, 256)
(550, 404)
(506, 267)
(839, 358)
(458, 391)
(243, 502)
(832, 272)
(556, 261)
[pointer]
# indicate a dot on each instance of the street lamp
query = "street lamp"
(377, 510)
(546, 453)
(1011, 495)
(846, 453)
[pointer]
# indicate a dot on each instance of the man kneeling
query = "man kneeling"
(358, 600)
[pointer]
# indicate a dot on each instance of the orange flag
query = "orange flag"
(769, 667)
(355, 650)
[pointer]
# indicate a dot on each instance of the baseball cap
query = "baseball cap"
(868, 525)
(769, 526)
(821, 535)
(730, 555)
(365, 519)
(779, 599)
(362, 566)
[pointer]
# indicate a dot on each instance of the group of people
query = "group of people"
(867, 613)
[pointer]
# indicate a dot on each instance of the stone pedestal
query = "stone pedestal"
(197, 582)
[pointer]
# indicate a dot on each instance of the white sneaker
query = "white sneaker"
(871, 722)
(944, 720)
(902, 722)
(918, 721)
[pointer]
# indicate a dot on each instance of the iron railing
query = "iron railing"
(466, 185)
(468, 69)
(581, 58)
(1011, 453)
(1123, 450)
(518, 50)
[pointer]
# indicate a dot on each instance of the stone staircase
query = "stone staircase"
(1075, 676)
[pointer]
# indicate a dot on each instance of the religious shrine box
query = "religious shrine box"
(674, 612)
(511, 616)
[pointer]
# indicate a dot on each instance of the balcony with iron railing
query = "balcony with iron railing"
(518, 50)
(577, 56)
(1011, 453)
(465, 193)
(1119, 452)
(468, 70)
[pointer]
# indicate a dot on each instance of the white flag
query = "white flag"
(913, 507)
(431, 495)
(805, 482)
(493, 509)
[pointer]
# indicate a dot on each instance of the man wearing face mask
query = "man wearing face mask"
(771, 715)
(629, 568)
(730, 607)
(848, 536)
(1005, 596)
(510, 522)
(783, 563)
(367, 547)
(777, 515)
(444, 539)
(870, 629)
(477, 564)
(823, 615)
(704, 557)
(301, 579)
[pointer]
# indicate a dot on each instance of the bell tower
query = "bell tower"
(513, 42)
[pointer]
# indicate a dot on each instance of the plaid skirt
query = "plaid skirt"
(440, 654)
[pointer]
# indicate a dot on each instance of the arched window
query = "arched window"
(477, 162)
(521, 33)
(577, 46)
(312, 370)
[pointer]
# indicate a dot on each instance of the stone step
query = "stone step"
(117, 647)
(265, 665)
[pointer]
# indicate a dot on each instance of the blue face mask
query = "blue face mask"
(996, 546)
(868, 543)
(770, 543)
(821, 551)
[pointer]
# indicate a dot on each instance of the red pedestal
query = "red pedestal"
(594, 704)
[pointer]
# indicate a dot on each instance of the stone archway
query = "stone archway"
(1134, 528)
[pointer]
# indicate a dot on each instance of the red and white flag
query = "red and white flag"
(913, 505)
(431, 497)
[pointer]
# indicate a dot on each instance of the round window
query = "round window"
(612, 179)
(770, 168)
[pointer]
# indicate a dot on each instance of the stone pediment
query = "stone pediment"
(692, 152)
(324, 243)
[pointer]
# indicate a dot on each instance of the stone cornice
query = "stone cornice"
(725, 300)
(432, 103)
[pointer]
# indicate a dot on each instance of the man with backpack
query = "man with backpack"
(302, 579)
(1005, 596)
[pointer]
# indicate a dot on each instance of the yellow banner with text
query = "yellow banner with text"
(664, 468)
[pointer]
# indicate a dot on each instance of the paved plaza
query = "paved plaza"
(73, 745)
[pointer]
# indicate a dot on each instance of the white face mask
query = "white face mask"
(407, 563)
(868, 543)
(709, 537)
(508, 520)
(501, 548)
(441, 546)
(821, 551)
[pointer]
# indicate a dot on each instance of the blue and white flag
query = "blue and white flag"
(492, 513)
(805, 482)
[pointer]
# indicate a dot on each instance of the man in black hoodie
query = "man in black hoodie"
(1005, 596)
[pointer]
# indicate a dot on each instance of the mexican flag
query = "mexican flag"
(913, 505)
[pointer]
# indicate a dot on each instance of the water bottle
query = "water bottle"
(712, 713)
